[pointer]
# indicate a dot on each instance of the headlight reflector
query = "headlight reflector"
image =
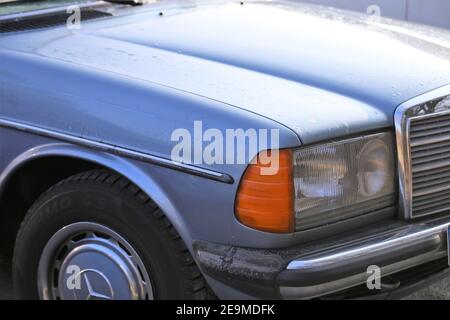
(343, 179)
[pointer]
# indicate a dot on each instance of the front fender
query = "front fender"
(125, 167)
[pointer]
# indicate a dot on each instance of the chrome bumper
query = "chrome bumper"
(334, 270)
(334, 264)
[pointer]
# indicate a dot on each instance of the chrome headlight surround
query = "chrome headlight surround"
(343, 179)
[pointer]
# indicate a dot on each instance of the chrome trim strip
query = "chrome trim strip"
(136, 155)
(402, 124)
(431, 237)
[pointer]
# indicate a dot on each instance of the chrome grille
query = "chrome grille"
(430, 161)
(423, 139)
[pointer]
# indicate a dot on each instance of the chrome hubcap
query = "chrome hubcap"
(88, 261)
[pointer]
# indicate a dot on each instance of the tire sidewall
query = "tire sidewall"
(131, 220)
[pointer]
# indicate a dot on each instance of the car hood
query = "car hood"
(321, 72)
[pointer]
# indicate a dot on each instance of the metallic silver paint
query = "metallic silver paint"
(119, 151)
(328, 75)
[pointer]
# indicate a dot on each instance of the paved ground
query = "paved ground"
(5, 283)
(438, 291)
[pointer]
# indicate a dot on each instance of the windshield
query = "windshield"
(18, 6)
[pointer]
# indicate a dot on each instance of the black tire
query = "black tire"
(106, 198)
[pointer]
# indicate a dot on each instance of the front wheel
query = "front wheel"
(96, 235)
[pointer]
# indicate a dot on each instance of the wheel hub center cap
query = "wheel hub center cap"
(98, 270)
(94, 265)
(92, 285)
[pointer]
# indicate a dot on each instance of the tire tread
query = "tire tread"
(194, 283)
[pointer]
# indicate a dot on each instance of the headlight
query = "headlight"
(339, 180)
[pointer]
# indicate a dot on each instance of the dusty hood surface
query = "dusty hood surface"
(322, 73)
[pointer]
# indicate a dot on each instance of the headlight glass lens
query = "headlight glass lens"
(340, 180)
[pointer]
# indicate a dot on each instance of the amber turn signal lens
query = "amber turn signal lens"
(266, 201)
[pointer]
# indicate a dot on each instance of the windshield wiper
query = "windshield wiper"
(129, 2)
(11, 1)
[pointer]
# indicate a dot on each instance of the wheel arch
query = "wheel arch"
(26, 167)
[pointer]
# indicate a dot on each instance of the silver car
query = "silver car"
(221, 149)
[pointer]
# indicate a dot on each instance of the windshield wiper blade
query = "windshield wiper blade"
(129, 2)
(12, 1)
